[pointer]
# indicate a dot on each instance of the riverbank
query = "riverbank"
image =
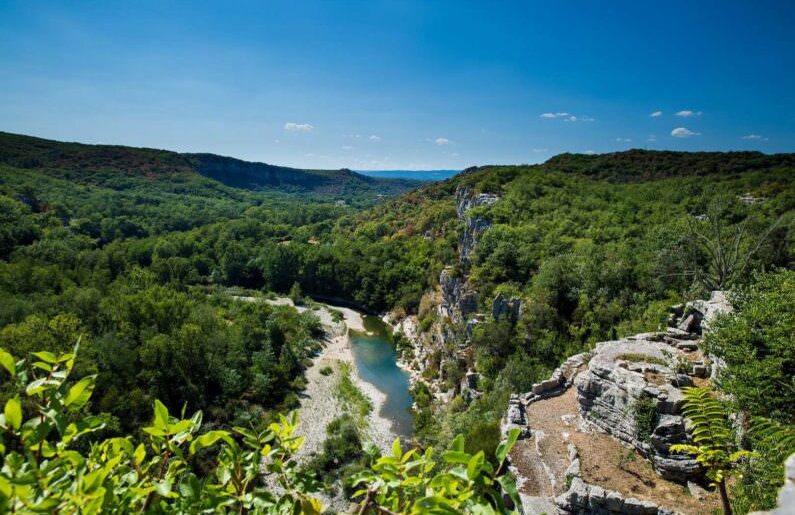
(320, 403)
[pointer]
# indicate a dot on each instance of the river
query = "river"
(376, 359)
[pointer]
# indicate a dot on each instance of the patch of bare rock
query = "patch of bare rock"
(596, 434)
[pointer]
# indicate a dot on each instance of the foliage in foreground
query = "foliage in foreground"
(714, 440)
(51, 464)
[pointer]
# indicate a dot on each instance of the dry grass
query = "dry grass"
(607, 463)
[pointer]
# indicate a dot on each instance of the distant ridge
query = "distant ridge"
(84, 162)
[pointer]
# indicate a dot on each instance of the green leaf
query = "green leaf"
(208, 439)
(508, 484)
(457, 444)
(7, 361)
(473, 467)
(456, 457)
(13, 413)
(397, 452)
(79, 394)
(46, 356)
(505, 446)
(161, 415)
(139, 454)
(190, 487)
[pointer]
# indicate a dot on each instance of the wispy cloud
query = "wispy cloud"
(623, 140)
(373, 137)
(566, 117)
(555, 115)
(755, 137)
(441, 141)
(681, 132)
(656, 114)
(298, 127)
(589, 152)
(652, 138)
(686, 113)
(540, 150)
(346, 147)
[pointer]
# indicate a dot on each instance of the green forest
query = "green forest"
(133, 380)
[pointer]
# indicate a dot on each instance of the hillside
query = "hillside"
(103, 164)
(494, 278)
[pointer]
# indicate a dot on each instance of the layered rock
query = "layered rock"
(626, 374)
(629, 390)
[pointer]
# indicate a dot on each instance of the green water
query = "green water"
(376, 360)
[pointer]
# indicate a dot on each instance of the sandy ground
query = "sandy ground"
(319, 403)
(604, 461)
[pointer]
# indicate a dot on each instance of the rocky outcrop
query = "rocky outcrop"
(626, 376)
(474, 226)
(465, 199)
(503, 306)
(699, 314)
(584, 499)
(457, 299)
(628, 389)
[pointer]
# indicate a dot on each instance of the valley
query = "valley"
(495, 305)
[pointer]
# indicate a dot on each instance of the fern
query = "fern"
(778, 439)
(712, 435)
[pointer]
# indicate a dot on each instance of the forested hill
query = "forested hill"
(638, 165)
(104, 164)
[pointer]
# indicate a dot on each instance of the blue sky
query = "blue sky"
(401, 84)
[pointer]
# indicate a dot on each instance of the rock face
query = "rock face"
(582, 498)
(458, 299)
(465, 199)
(700, 313)
(629, 389)
(473, 226)
(503, 306)
(626, 376)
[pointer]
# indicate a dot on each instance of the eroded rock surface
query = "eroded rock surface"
(623, 397)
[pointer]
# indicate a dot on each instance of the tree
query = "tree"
(714, 441)
(49, 464)
(729, 249)
(756, 344)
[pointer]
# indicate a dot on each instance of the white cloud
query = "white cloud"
(566, 117)
(688, 114)
(346, 147)
(757, 137)
(540, 150)
(652, 138)
(455, 154)
(373, 137)
(555, 115)
(656, 114)
(623, 140)
(681, 132)
(442, 141)
(298, 127)
(589, 152)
